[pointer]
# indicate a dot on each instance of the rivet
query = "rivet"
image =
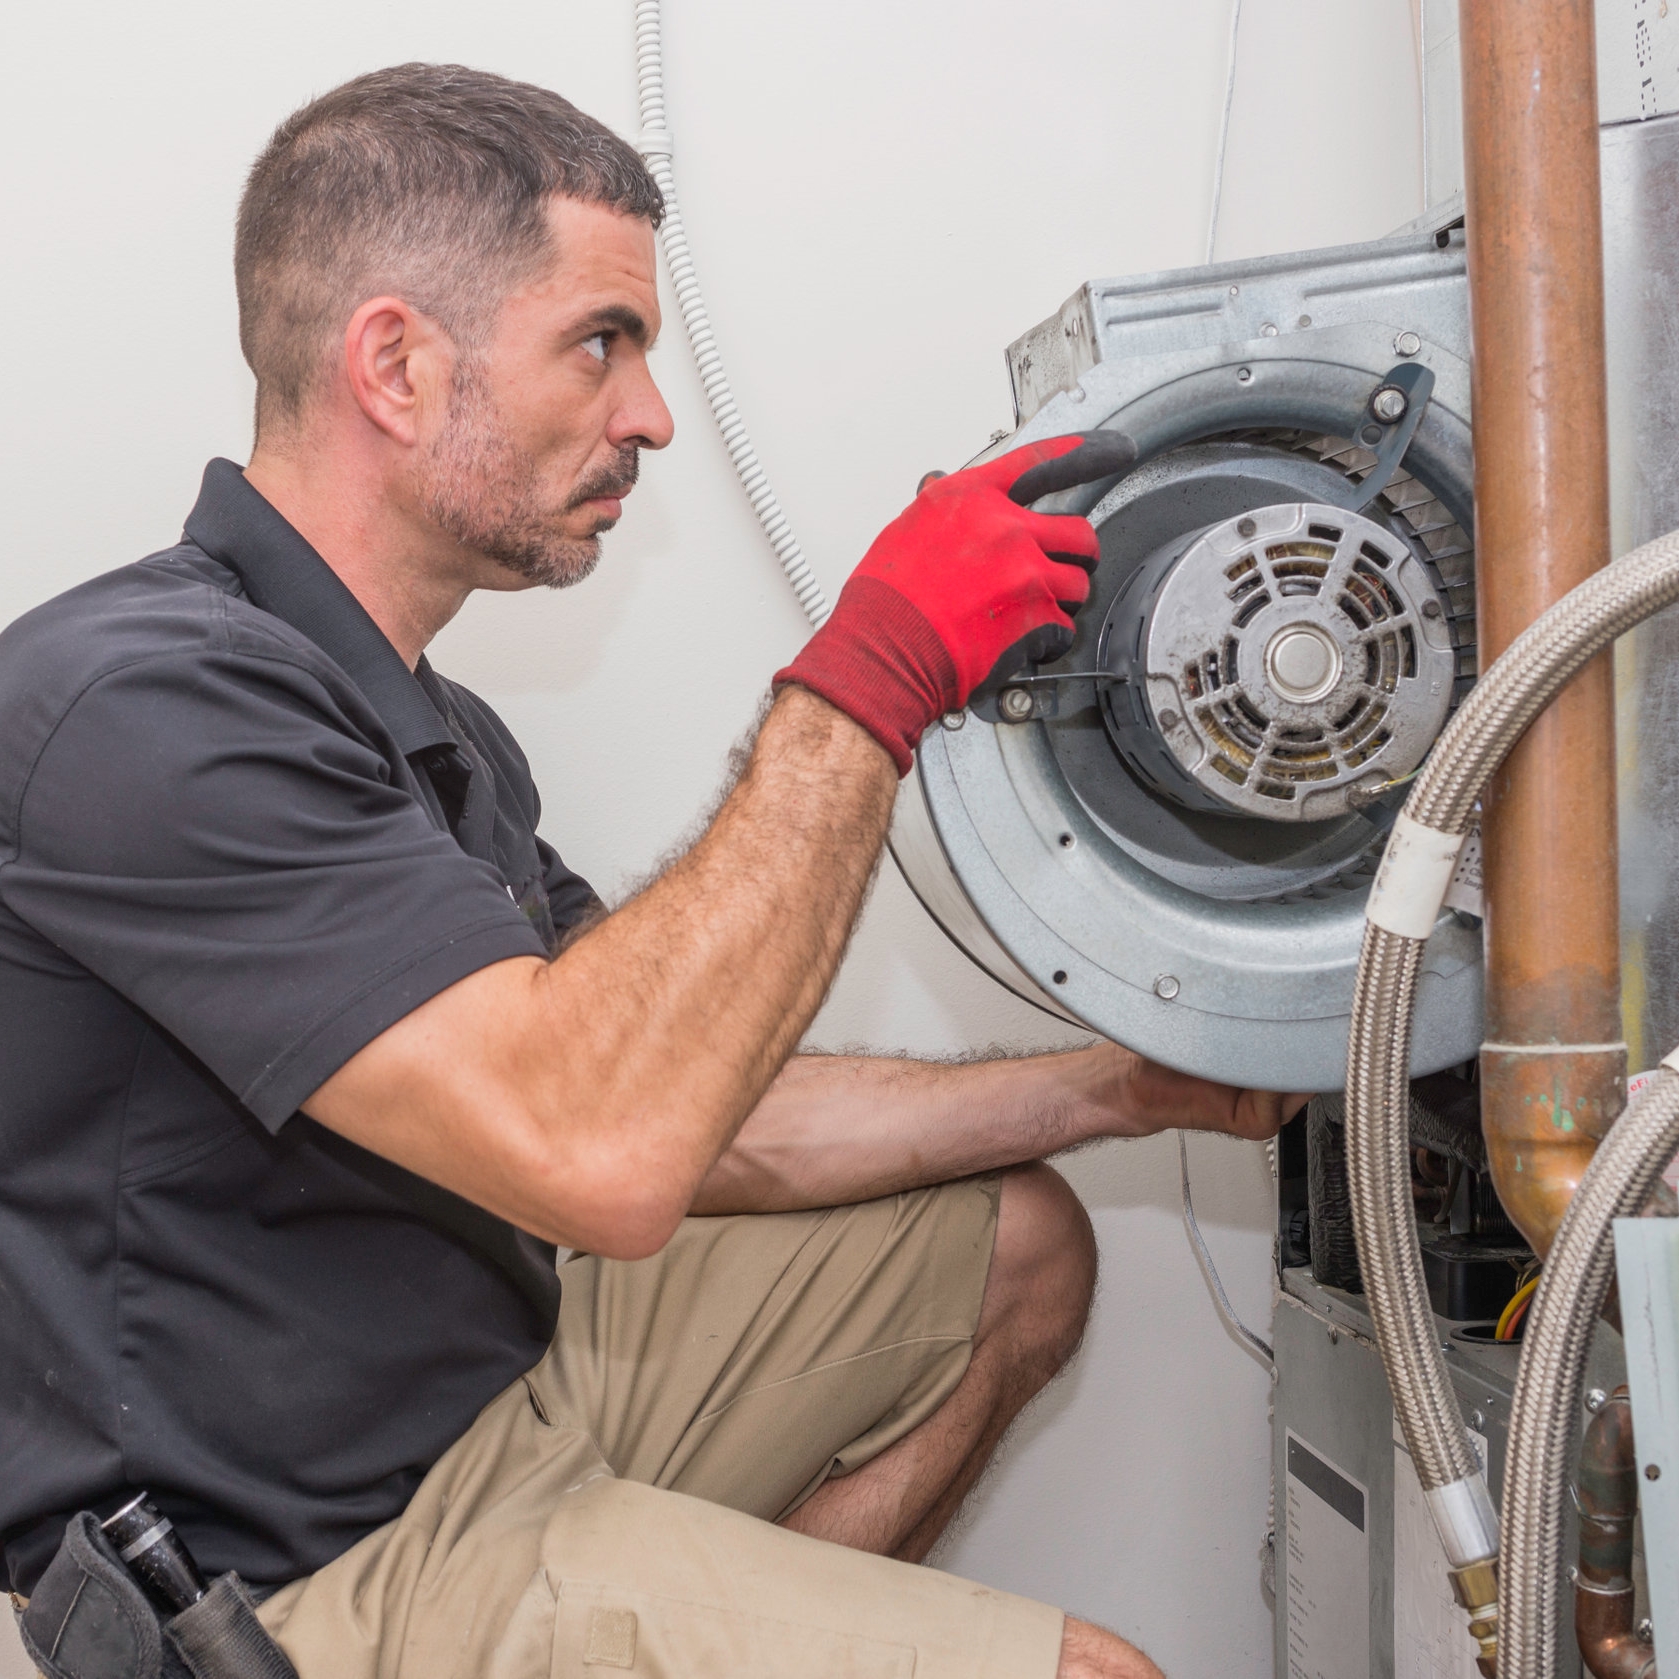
(955, 719)
(1269, 330)
(1059, 976)
(1068, 842)
(1166, 987)
(1431, 609)
(1652, 1472)
(1169, 719)
(1076, 394)
(1235, 291)
(1406, 344)
(1305, 320)
(1244, 375)
(1246, 528)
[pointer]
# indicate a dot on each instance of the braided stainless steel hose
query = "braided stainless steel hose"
(1544, 1415)
(1404, 905)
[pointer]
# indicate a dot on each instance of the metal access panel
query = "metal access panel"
(1361, 1589)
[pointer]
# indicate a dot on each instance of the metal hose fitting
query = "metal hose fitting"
(1404, 905)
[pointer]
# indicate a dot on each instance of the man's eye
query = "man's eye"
(596, 346)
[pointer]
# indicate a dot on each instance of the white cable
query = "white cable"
(655, 146)
(1251, 1343)
(1224, 128)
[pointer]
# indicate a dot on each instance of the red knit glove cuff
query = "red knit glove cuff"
(879, 660)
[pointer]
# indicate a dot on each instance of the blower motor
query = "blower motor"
(1168, 834)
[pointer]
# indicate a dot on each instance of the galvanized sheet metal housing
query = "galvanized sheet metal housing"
(1196, 930)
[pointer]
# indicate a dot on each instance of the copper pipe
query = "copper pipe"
(1607, 1496)
(1553, 1069)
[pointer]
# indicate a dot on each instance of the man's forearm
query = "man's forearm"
(836, 1129)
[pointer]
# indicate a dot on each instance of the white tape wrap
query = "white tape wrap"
(1411, 883)
(1670, 1061)
(1465, 1520)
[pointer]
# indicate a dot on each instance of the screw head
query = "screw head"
(1169, 719)
(1431, 609)
(1166, 987)
(1596, 1399)
(1406, 344)
(1016, 704)
(1389, 404)
(954, 720)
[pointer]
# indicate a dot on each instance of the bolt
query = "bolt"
(1652, 1472)
(1166, 987)
(1477, 1420)
(1431, 609)
(1244, 375)
(1169, 719)
(1016, 704)
(1406, 344)
(955, 719)
(1645, 1631)
(1596, 1399)
(1246, 528)
(1389, 404)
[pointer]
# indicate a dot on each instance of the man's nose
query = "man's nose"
(643, 420)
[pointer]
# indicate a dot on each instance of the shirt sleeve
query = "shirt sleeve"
(228, 842)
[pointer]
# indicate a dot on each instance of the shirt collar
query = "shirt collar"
(282, 574)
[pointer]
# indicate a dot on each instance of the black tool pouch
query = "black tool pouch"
(89, 1619)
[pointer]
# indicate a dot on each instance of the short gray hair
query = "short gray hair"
(428, 181)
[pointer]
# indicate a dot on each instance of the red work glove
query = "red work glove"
(965, 579)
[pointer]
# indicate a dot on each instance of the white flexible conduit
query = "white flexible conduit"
(655, 146)
(1404, 904)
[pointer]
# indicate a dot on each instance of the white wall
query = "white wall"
(880, 197)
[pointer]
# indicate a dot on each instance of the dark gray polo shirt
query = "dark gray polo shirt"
(238, 839)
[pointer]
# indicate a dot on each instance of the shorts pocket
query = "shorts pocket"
(602, 1630)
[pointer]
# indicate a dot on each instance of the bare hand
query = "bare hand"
(1146, 1098)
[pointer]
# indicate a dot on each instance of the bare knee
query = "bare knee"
(1043, 1268)
(1089, 1652)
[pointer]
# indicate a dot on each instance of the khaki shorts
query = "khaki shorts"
(613, 1510)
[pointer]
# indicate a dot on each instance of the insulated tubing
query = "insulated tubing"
(655, 146)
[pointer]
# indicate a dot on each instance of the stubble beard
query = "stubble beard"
(485, 492)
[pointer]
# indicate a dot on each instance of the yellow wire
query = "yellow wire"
(1509, 1311)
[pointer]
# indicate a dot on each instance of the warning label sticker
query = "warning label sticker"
(1328, 1568)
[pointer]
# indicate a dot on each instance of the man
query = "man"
(314, 1051)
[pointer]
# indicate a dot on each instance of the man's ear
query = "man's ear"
(398, 364)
